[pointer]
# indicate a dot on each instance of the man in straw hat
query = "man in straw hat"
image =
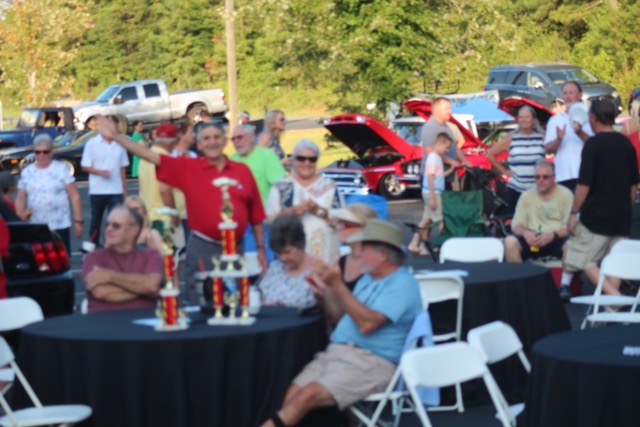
(368, 340)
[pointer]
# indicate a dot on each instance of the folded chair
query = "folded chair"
(38, 415)
(497, 341)
(16, 313)
(462, 217)
(445, 365)
(618, 264)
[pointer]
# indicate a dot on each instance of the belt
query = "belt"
(210, 240)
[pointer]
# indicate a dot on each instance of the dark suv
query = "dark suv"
(542, 82)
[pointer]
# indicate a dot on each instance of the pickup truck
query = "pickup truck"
(33, 121)
(150, 102)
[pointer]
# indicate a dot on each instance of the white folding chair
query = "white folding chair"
(622, 265)
(439, 287)
(16, 313)
(496, 341)
(472, 249)
(38, 415)
(626, 246)
(448, 364)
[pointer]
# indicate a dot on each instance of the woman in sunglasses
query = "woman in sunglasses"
(47, 193)
(309, 196)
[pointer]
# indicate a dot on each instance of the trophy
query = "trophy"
(171, 317)
(229, 269)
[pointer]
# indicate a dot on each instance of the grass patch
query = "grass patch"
(329, 154)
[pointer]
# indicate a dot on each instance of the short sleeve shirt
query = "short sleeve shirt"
(430, 131)
(47, 194)
(103, 155)
(397, 296)
(433, 166)
(141, 261)
(265, 166)
(567, 158)
(533, 212)
(280, 288)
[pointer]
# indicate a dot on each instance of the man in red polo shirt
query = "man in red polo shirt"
(194, 177)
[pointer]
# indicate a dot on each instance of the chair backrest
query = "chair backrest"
(6, 355)
(449, 364)
(497, 341)
(18, 312)
(621, 265)
(626, 246)
(438, 287)
(472, 249)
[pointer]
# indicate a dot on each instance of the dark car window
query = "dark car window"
(521, 79)
(128, 94)
(498, 77)
(151, 90)
(535, 78)
(578, 74)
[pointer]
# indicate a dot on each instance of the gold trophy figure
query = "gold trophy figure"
(171, 317)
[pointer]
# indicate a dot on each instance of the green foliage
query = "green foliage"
(306, 55)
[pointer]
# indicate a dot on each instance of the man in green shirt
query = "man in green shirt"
(265, 166)
(264, 163)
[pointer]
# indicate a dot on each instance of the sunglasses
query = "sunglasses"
(305, 158)
(42, 151)
(114, 225)
(543, 176)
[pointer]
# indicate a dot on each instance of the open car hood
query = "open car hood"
(363, 133)
(512, 104)
(422, 107)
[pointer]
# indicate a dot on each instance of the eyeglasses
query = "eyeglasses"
(114, 225)
(238, 137)
(543, 176)
(41, 151)
(305, 158)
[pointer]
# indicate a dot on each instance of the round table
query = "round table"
(582, 378)
(134, 376)
(522, 295)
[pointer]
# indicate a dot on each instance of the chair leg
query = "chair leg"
(459, 401)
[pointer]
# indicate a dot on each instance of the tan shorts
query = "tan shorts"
(428, 213)
(349, 373)
(586, 249)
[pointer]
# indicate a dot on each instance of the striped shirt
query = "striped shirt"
(524, 152)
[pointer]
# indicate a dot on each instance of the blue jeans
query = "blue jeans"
(101, 204)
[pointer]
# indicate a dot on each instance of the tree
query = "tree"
(38, 38)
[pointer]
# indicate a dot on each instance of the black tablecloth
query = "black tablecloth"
(134, 376)
(522, 295)
(582, 379)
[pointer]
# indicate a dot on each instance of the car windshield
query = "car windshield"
(579, 75)
(410, 132)
(108, 93)
(64, 140)
(28, 119)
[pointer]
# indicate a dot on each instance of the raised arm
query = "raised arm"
(108, 129)
(499, 148)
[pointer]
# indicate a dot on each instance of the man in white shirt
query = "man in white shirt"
(105, 162)
(565, 136)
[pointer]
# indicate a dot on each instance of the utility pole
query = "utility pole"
(232, 75)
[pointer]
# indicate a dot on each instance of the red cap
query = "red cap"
(166, 132)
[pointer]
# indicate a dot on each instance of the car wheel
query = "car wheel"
(194, 111)
(69, 164)
(390, 188)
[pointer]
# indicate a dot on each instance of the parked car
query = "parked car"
(38, 267)
(542, 82)
(150, 102)
(377, 149)
(34, 121)
(68, 150)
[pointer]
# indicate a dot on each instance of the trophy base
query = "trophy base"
(231, 321)
(171, 328)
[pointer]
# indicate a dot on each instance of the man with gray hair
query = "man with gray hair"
(540, 222)
(368, 340)
(165, 138)
(122, 276)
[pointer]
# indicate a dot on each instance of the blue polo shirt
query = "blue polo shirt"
(397, 296)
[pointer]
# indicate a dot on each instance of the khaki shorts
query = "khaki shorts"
(586, 249)
(349, 373)
(428, 213)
